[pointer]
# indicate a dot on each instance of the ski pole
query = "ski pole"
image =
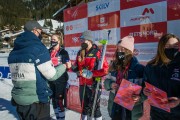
(84, 89)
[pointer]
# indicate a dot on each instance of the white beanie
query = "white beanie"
(87, 35)
(128, 43)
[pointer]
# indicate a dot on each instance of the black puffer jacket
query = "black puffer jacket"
(62, 56)
(166, 78)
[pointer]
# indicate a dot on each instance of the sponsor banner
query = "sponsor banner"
(4, 72)
(104, 104)
(151, 13)
(110, 52)
(75, 26)
(103, 6)
(72, 40)
(145, 51)
(172, 27)
(173, 9)
(103, 34)
(145, 33)
(73, 101)
(104, 21)
(125, 4)
(73, 79)
(74, 13)
(72, 52)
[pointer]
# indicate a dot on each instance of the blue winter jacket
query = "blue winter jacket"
(30, 66)
(135, 75)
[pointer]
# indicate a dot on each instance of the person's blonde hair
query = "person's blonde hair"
(60, 37)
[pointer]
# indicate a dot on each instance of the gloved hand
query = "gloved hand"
(87, 74)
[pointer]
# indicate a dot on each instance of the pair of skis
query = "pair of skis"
(101, 61)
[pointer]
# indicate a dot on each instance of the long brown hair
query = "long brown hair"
(120, 65)
(160, 56)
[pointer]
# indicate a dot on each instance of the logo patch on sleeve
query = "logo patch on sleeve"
(38, 60)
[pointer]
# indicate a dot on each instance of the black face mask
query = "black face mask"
(170, 53)
(84, 46)
(40, 36)
(121, 55)
(54, 43)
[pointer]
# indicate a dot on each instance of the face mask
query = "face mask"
(54, 43)
(40, 36)
(170, 53)
(121, 55)
(84, 46)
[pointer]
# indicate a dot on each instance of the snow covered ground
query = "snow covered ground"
(8, 112)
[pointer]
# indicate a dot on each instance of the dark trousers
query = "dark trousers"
(120, 113)
(35, 111)
(87, 99)
(59, 93)
(157, 115)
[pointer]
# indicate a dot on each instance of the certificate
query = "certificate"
(158, 97)
(124, 94)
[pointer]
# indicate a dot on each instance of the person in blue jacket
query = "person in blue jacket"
(163, 72)
(124, 66)
(31, 67)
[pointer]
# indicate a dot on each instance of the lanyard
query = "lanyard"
(120, 74)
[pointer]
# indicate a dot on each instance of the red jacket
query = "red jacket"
(91, 63)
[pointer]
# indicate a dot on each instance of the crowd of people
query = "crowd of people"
(40, 75)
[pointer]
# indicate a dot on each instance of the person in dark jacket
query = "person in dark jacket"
(59, 56)
(87, 66)
(126, 66)
(163, 72)
(31, 67)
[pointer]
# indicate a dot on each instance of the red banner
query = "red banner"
(144, 33)
(75, 13)
(72, 40)
(73, 101)
(173, 11)
(104, 21)
(125, 4)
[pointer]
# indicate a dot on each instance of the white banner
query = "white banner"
(146, 51)
(103, 6)
(72, 52)
(151, 13)
(73, 79)
(114, 36)
(174, 27)
(75, 26)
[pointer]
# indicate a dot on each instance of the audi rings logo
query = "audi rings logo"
(70, 27)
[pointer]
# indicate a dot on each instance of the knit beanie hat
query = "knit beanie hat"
(87, 35)
(128, 43)
(30, 25)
